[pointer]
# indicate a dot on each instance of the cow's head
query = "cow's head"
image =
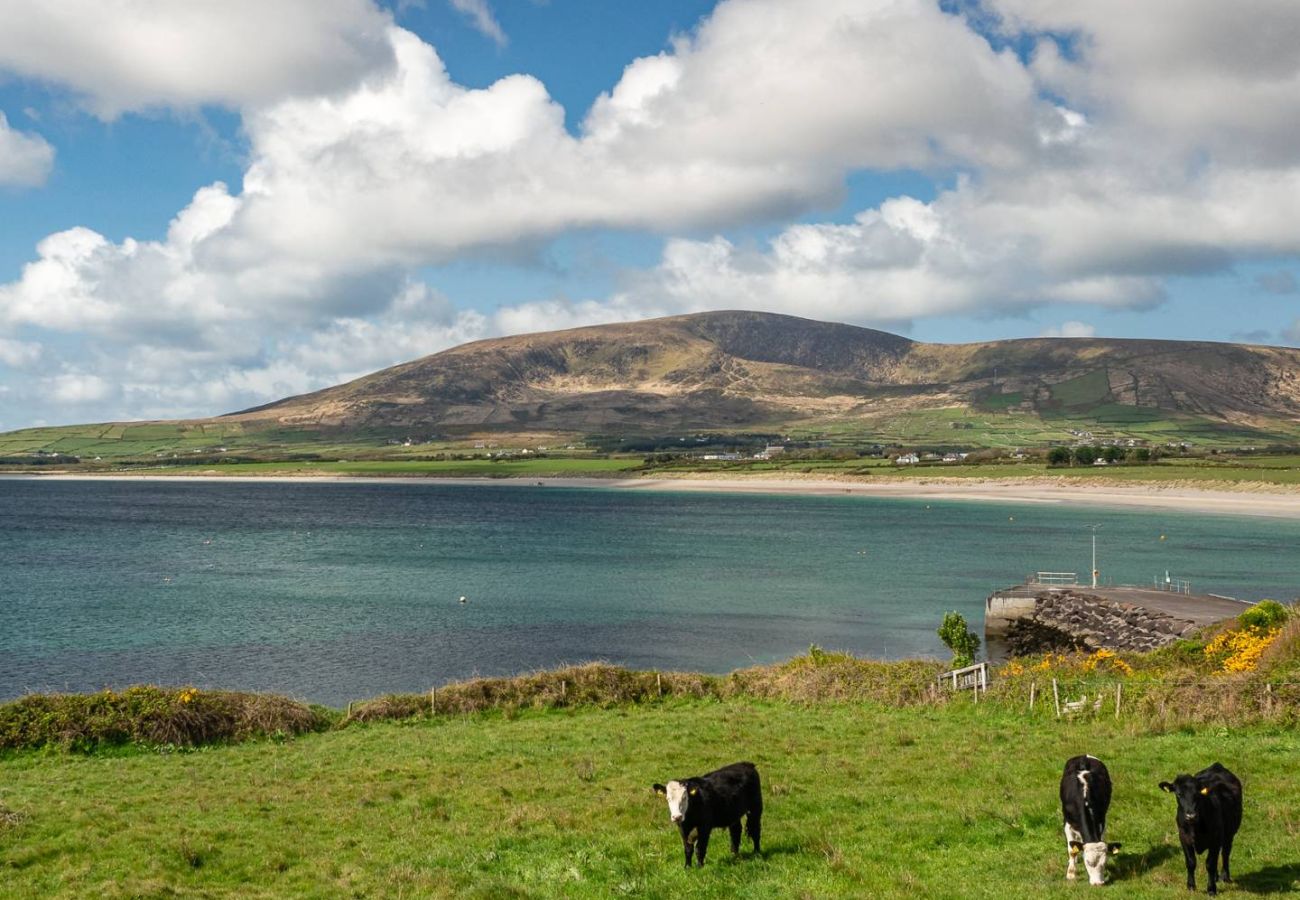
(679, 794)
(1189, 794)
(1094, 856)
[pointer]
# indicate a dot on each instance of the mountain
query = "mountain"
(748, 370)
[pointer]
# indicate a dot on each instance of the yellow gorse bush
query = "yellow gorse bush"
(1053, 661)
(187, 695)
(1100, 661)
(1106, 660)
(1240, 651)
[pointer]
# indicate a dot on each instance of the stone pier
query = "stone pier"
(1034, 618)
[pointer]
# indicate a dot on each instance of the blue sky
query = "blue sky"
(393, 186)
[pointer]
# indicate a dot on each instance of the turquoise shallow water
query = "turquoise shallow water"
(337, 591)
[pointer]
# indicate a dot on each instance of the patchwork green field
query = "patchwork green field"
(861, 800)
(233, 449)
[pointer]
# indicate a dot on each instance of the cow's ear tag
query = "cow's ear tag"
(694, 791)
(1205, 790)
(1074, 851)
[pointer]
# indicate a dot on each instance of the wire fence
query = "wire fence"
(1152, 701)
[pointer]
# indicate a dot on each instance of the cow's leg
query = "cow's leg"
(754, 826)
(1070, 873)
(688, 845)
(735, 837)
(1227, 852)
(1189, 857)
(1212, 868)
(702, 845)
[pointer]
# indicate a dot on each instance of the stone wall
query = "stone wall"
(1074, 619)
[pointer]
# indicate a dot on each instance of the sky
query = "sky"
(210, 205)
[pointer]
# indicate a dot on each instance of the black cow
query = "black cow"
(716, 800)
(1085, 800)
(1209, 814)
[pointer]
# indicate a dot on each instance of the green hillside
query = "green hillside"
(734, 373)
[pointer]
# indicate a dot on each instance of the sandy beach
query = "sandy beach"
(1255, 500)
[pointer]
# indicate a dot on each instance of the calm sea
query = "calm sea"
(339, 591)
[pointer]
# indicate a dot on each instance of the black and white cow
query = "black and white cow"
(716, 800)
(1209, 814)
(1085, 800)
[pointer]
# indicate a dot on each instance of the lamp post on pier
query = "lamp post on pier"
(1094, 552)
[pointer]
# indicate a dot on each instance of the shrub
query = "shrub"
(963, 642)
(1264, 615)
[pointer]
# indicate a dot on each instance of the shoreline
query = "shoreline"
(1180, 497)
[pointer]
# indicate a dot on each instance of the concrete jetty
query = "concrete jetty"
(1034, 617)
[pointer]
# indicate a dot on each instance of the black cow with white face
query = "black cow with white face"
(1085, 800)
(716, 800)
(1209, 814)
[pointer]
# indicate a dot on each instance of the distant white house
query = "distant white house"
(724, 456)
(907, 459)
(769, 451)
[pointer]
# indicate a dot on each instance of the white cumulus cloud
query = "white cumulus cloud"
(25, 157)
(119, 55)
(482, 18)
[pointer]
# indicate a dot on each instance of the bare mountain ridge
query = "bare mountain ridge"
(746, 369)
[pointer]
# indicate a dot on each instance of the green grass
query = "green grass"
(861, 800)
(1086, 390)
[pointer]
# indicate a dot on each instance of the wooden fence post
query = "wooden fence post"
(1033, 689)
(1119, 697)
(433, 701)
(659, 685)
(1056, 698)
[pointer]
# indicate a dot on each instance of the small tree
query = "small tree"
(1058, 456)
(1085, 455)
(963, 642)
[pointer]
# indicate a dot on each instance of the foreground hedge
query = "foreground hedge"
(156, 716)
(1155, 691)
(818, 676)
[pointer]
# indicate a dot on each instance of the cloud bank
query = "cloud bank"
(1119, 151)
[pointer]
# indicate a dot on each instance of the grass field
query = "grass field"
(229, 449)
(1224, 472)
(861, 800)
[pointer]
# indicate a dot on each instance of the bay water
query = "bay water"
(335, 591)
